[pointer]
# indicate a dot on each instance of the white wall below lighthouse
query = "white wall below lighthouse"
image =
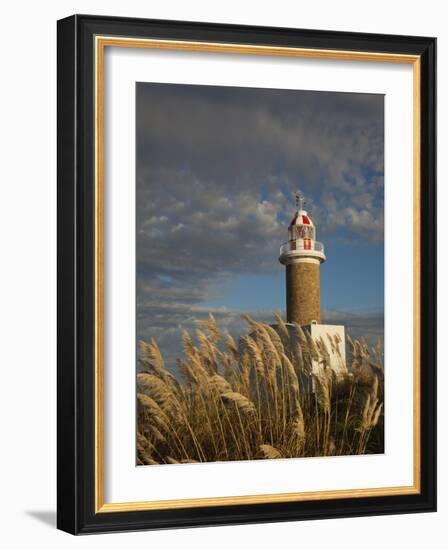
(330, 334)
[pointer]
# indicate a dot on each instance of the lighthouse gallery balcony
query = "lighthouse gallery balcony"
(302, 248)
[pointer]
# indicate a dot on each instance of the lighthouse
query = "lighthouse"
(302, 255)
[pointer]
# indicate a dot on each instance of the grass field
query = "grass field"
(259, 398)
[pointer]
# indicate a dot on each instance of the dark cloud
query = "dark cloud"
(369, 325)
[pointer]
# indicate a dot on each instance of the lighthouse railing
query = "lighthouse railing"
(301, 244)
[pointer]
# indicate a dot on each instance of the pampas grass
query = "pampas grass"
(258, 399)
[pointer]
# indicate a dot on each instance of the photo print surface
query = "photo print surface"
(260, 273)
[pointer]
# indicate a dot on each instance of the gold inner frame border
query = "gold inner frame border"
(100, 44)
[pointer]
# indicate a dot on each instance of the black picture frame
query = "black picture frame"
(76, 255)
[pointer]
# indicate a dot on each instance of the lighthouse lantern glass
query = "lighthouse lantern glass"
(302, 232)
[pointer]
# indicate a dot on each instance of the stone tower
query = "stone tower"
(302, 256)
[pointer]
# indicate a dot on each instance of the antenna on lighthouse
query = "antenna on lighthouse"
(300, 200)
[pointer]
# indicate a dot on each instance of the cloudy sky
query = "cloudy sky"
(217, 168)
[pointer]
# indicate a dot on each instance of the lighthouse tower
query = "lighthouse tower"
(302, 256)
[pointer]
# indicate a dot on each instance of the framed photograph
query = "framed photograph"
(246, 274)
